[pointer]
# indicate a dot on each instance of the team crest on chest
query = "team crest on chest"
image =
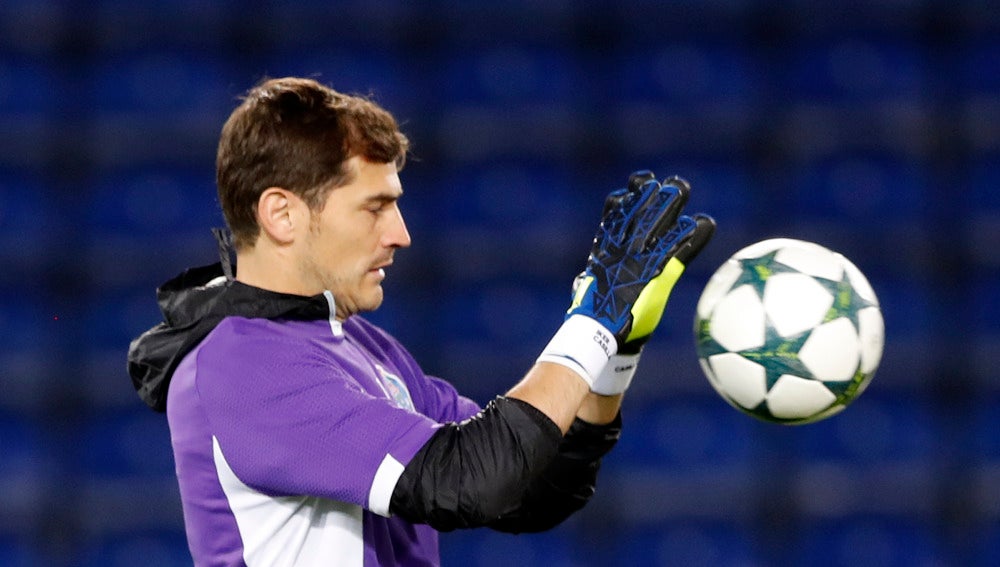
(395, 388)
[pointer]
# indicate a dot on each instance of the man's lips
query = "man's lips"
(380, 268)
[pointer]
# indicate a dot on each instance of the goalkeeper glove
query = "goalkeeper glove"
(642, 247)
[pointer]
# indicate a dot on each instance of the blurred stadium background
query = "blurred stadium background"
(872, 127)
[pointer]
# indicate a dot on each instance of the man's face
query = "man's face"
(352, 240)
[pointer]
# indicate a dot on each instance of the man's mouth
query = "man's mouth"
(380, 269)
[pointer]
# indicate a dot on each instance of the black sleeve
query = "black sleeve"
(472, 473)
(569, 481)
(508, 468)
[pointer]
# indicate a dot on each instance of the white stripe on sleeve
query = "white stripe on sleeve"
(386, 477)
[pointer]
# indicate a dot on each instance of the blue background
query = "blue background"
(870, 127)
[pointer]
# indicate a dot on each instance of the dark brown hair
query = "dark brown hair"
(297, 134)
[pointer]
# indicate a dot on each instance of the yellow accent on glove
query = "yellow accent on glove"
(579, 291)
(652, 300)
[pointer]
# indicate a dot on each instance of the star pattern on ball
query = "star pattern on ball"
(705, 343)
(779, 355)
(828, 300)
(846, 301)
(756, 271)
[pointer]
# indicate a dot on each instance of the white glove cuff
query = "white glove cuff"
(617, 375)
(583, 345)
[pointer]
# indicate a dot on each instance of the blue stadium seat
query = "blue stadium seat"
(30, 321)
(119, 26)
(26, 470)
(162, 84)
(852, 70)
(113, 318)
(24, 446)
(874, 429)
(480, 130)
(155, 548)
(513, 221)
(33, 26)
(866, 206)
(488, 332)
(685, 74)
(907, 304)
(373, 71)
(982, 201)
(983, 307)
(483, 548)
(978, 66)
(984, 444)
(314, 26)
(653, 23)
(983, 194)
(36, 329)
(28, 87)
(655, 97)
(137, 213)
(343, 9)
(30, 226)
(504, 194)
(869, 189)
(502, 312)
(870, 541)
(30, 102)
(688, 543)
(725, 189)
(683, 432)
(911, 312)
(153, 202)
(985, 551)
(511, 75)
(15, 552)
(522, 22)
(156, 107)
(133, 442)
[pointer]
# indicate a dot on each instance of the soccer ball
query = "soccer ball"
(789, 331)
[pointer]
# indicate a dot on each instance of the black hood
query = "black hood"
(192, 304)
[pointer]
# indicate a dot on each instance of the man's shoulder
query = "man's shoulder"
(371, 334)
(271, 328)
(253, 337)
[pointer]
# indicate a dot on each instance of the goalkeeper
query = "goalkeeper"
(303, 434)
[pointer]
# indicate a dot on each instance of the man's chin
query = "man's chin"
(358, 303)
(371, 302)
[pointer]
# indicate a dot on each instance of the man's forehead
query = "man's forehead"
(374, 180)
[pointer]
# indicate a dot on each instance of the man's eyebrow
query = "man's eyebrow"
(383, 197)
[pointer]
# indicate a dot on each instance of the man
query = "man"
(304, 435)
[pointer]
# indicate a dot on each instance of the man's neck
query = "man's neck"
(271, 270)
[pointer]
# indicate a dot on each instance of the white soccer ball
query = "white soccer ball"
(789, 331)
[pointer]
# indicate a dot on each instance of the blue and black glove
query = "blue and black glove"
(641, 249)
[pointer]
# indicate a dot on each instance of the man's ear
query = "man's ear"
(278, 214)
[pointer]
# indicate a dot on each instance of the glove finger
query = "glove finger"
(668, 244)
(613, 201)
(634, 187)
(636, 209)
(694, 243)
(639, 178)
(642, 211)
(676, 192)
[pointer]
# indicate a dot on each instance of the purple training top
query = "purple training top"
(289, 437)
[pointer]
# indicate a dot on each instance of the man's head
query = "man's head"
(308, 182)
(297, 134)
